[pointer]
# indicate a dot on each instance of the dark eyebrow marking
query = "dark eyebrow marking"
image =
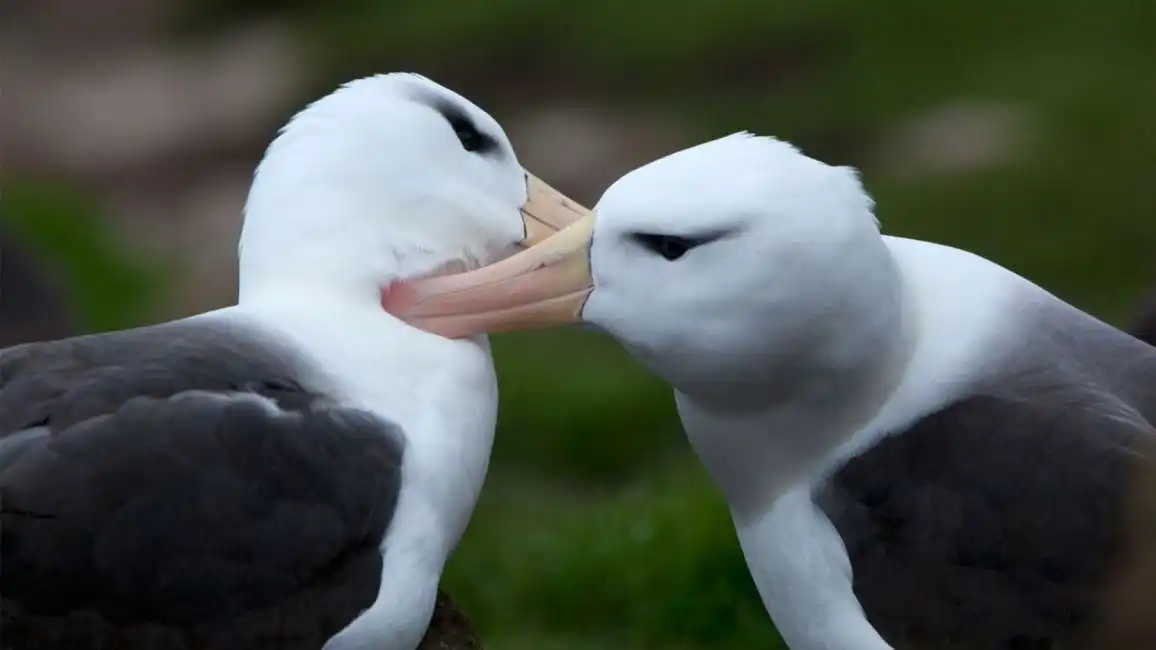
(460, 121)
(708, 236)
(702, 237)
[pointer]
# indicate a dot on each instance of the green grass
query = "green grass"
(112, 289)
(655, 564)
(585, 413)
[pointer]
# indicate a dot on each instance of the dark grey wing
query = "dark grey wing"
(206, 517)
(995, 521)
(69, 380)
(988, 524)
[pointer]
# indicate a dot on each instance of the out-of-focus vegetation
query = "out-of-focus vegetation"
(111, 289)
(597, 529)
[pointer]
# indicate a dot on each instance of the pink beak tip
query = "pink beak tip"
(398, 298)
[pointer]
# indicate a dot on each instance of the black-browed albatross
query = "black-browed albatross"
(919, 448)
(290, 472)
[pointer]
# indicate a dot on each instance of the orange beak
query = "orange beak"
(543, 286)
(546, 211)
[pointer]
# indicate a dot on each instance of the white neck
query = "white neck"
(309, 257)
(346, 234)
(443, 396)
(806, 410)
(286, 286)
(947, 316)
(948, 325)
(442, 393)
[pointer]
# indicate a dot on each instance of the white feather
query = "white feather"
(365, 186)
(793, 342)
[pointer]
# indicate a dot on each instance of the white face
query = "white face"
(737, 262)
(725, 260)
(389, 176)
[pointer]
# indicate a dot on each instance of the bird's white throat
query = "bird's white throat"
(760, 437)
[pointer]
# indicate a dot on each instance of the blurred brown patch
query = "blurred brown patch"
(449, 629)
(1128, 611)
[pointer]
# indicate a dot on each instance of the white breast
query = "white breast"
(443, 395)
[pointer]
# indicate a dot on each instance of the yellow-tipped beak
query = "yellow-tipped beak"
(542, 286)
(546, 211)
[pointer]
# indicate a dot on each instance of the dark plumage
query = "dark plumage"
(987, 567)
(176, 487)
(998, 521)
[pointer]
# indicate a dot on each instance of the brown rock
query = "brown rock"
(449, 629)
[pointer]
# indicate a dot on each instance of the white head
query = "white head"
(737, 261)
(391, 176)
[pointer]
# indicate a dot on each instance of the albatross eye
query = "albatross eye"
(468, 135)
(668, 246)
(471, 138)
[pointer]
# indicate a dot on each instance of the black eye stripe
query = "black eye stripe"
(668, 246)
(472, 139)
(672, 247)
(468, 134)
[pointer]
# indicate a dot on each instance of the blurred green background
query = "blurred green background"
(1020, 131)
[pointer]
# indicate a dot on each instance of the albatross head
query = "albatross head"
(391, 176)
(735, 261)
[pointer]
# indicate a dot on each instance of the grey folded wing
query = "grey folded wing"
(179, 477)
